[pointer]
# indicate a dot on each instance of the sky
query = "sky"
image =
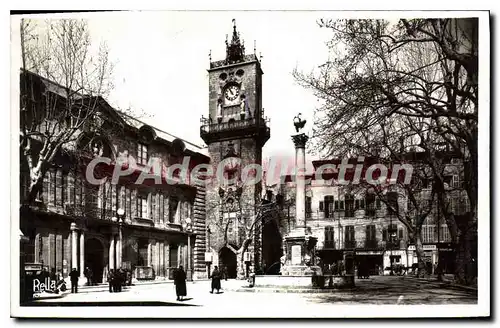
(161, 61)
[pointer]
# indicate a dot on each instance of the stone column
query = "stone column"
(119, 248)
(188, 269)
(150, 255)
(161, 257)
(179, 255)
(300, 141)
(74, 246)
(82, 254)
(112, 252)
(166, 254)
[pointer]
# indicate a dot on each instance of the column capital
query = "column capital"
(73, 226)
(300, 140)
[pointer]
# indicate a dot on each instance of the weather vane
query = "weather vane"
(298, 122)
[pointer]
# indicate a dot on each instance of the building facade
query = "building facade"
(149, 226)
(353, 220)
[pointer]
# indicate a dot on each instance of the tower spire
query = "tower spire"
(235, 51)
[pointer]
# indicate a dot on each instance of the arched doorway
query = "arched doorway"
(271, 248)
(94, 258)
(227, 259)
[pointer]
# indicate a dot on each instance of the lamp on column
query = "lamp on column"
(187, 226)
(121, 214)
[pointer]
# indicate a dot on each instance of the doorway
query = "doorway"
(227, 259)
(94, 258)
(271, 248)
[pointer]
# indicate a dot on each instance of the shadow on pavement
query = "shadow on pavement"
(115, 303)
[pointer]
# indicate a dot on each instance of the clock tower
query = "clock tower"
(235, 132)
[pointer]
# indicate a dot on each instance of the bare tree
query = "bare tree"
(418, 80)
(248, 226)
(62, 85)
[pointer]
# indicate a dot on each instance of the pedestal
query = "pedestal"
(299, 256)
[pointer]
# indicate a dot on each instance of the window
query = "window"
(350, 242)
(142, 154)
(371, 240)
(379, 205)
(370, 205)
(230, 220)
(172, 209)
(308, 207)
(142, 206)
(142, 254)
(329, 209)
(349, 205)
(329, 237)
(392, 203)
(455, 182)
(427, 234)
(445, 234)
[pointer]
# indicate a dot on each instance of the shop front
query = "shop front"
(372, 261)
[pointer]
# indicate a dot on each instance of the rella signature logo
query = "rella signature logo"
(39, 286)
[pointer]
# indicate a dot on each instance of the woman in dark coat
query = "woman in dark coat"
(180, 283)
(216, 275)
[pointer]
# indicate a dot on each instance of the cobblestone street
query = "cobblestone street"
(375, 290)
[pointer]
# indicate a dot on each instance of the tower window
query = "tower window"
(142, 154)
(142, 206)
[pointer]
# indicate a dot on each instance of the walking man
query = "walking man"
(180, 283)
(74, 280)
(216, 275)
(111, 280)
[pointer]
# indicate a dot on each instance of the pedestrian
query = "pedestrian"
(439, 271)
(180, 283)
(215, 280)
(116, 280)
(224, 272)
(121, 279)
(88, 275)
(74, 280)
(111, 278)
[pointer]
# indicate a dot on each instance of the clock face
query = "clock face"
(232, 92)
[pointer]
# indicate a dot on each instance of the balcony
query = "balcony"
(251, 127)
(371, 244)
(350, 244)
(329, 244)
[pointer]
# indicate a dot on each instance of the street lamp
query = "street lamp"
(121, 213)
(187, 226)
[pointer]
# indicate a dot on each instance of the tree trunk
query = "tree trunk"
(465, 262)
(420, 251)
